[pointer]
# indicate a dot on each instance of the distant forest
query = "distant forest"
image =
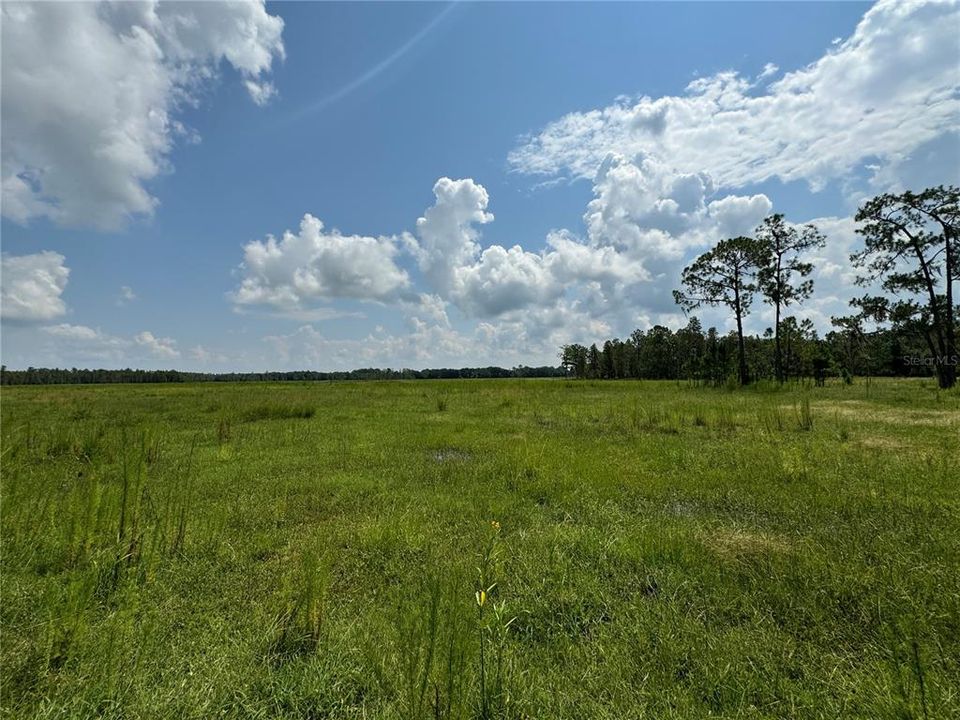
(74, 376)
(709, 357)
(911, 252)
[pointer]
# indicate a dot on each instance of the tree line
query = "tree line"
(910, 251)
(78, 376)
(710, 357)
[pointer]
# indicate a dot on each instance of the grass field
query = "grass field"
(644, 549)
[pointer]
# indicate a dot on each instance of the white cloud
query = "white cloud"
(738, 214)
(648, 220)
(261, 92)
(431, 307)
(205, 356)
(90, 96)
(525, 333)
(313, 264)
(447, 236)
(161, 347)
(648, 210)
(573, 261)
(505, 279)
(74, 332)
(126, 295)
(73, 343)
(292, 274)
(79, 344)
(31, 286)
(506, 282)
(886, 90)
(643, 221)
(769, 70)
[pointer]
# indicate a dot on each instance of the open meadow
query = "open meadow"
(481, 549)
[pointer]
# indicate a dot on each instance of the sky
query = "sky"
(325, 186)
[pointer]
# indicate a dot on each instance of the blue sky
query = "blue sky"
(576, 120)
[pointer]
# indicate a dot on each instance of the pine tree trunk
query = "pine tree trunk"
(778, 367)
(948, 377)
(741, 349)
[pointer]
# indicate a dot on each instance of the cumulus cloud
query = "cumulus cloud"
(650, 211)
(80, 333)
(640, 225)
(91, 94)
(499, 281)
(314, 264)
(161, 347)
(505, 279)
(572, 261)
(446, 232)
(525, 304)
(878, 95)
(85, 344)
(430, 306)
(31, 286)
(645, 222)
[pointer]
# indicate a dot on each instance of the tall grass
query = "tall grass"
(804, 414)
(306, 551)
(300, 626)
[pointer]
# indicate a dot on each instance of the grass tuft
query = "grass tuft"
(276, 411)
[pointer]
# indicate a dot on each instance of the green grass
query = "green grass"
(316, 550)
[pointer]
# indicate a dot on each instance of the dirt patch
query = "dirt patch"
(450, 455)
(732, 543)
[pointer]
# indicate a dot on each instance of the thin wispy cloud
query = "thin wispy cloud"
(375, 71)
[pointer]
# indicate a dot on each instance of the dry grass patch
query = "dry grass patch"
(878, 442)
(732, 543)
(863, 411)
